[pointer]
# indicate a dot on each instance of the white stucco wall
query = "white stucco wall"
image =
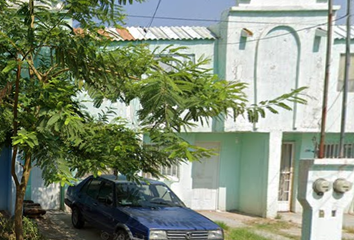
(282, 53)
(183, 185)
(335, 97)
(47, 196)
(275, 142)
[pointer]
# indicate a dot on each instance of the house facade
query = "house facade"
(274, 46)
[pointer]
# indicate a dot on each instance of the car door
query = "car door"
(105, 208)
(90, 201)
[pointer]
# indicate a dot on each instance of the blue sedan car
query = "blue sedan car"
(127, 210)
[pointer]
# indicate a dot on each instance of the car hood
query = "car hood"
(176, 218)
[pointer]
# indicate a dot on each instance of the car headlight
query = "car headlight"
(216, 234)
(157, 235)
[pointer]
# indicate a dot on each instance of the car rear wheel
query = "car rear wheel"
(77, 218)
(121, 235)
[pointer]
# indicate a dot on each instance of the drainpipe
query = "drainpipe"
(326, 80)
(62, 197)
(345, 83)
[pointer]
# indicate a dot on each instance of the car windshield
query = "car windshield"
(152, 195)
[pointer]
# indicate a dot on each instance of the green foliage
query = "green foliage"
(30, 229)
(6, 126)
(178, 92)
(46, 63)
(244, 234)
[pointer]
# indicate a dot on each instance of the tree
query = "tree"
(45, 64)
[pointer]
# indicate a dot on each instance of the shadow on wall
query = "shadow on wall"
(48, 197)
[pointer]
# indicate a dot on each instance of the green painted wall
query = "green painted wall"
(229, 166)
(253, 173)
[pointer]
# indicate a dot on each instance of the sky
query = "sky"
(199, 12)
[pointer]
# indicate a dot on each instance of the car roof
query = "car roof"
(123, 179)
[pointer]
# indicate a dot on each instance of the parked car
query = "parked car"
(128, 210)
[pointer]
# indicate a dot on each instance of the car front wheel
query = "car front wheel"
(121, 235)
(77, 218)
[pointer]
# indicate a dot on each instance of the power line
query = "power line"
(217, 21)
(154, 15)
(284, 34)
(264, 38)
(258, 39)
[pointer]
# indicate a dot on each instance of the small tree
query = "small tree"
(45, 64)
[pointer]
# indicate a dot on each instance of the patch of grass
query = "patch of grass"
(273, 226)
(243, 234)
(348, 229)
(7, 229)
(222, 225)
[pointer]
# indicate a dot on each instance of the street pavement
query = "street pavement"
(56, 225)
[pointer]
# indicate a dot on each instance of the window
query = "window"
(341, 74)
(129, 194)
(105, 194)
(163, 193)
(146, 195)
(170, 172)
(93, 188)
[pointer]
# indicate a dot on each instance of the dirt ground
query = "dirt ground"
(56, 225)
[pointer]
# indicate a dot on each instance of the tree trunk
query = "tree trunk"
(20, 195)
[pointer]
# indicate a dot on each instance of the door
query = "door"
(89, 207)
(205, 180)
(286, 177)
(105, 209)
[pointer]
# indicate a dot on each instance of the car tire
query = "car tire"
(121, 235)
(76, 218)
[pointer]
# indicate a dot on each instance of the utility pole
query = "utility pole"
(345, 84)
(326, 80)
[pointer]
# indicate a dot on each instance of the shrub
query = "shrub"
(7, 229)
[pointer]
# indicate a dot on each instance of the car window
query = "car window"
(163, 192)
(105, 194)
(152, 195)
(84, 188)
(129, 194)
(93, 188)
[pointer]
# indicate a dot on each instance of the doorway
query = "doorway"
(286, 177)
(205, 180)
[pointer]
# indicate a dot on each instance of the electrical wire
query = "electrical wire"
(329, 109)
(258, 39)
(154, 15)
(219, 21)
